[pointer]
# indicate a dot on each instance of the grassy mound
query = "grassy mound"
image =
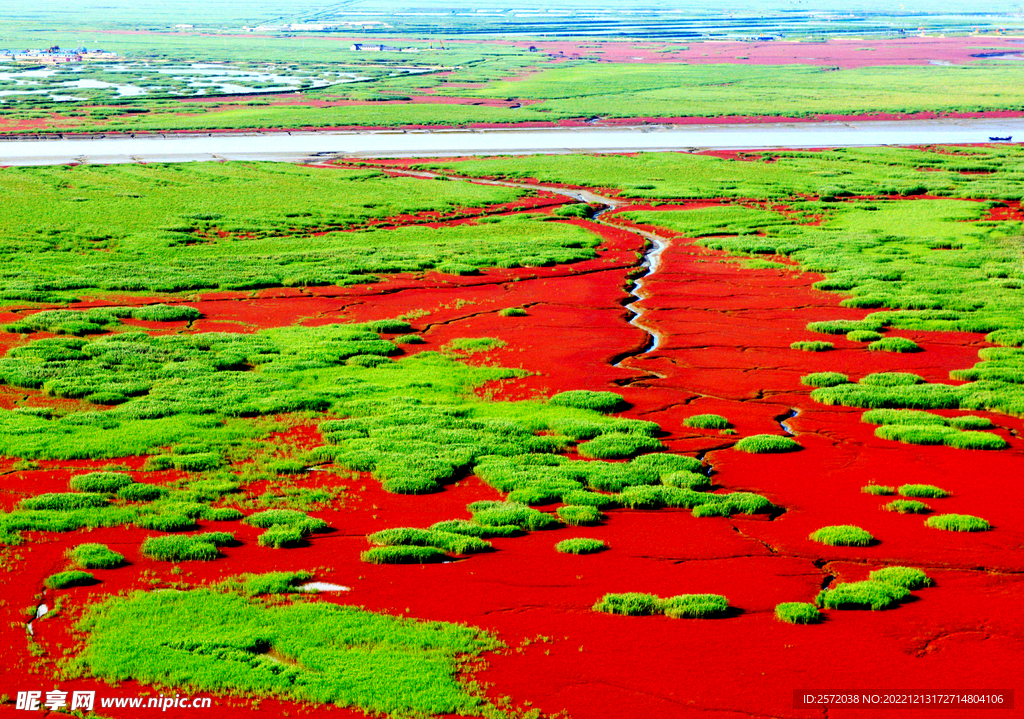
(706, 421)
(186, 548)
(922, 490)
(403, 554)
(682, 606)
(812, 346)
(580, 545)
(863, 336)
(73, 578)
(585, 399)
(958, 523)
(95, 556)
(452, 542)
(824, 379)
(767, 444)
(892, 379)
(579, 515)
(905, 577)
(101, 482)
(797, 613)
(862, 595)
(894, 344)
(843, 535)
(975, 440)
(878, 489)
(630, 604)
(907, 506)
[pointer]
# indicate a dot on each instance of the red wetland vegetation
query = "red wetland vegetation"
(724, 348)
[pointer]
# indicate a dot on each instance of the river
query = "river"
(297, 146)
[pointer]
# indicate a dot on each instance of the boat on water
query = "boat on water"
(1001, 139)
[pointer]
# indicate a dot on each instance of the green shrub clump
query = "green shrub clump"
(695, 606)
(580, 545)
(451, 542)
(512, 312)
(970, 421)
(812, 346)
(894, 344)
(863, 336)
(824, 379)
(906, 577)
(64, 501)
(630, 604)
(139, 492)
(929, 434)
(878, 489)
(617, 445)
(843, 535)
(63, 580)
(585, 399)
(95, 556)
(892, 379)
(184, 548)
(403, 554)
(922, 490)
(706, 421)
(511, 514)
(907, 506)
(767, 444)
(958, 523)
(101, 482)
(681, 606)
(797, 613)
(579, 515)
(974, 440)
(862, 595)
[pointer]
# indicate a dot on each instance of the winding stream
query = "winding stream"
(651, 262)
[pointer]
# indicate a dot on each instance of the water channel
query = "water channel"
(297, 146)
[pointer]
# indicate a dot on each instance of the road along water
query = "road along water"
(306, 146)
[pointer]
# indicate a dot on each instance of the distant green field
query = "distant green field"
(175, 228)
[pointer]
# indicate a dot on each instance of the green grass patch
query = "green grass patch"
(797, 613)
(404, 554)
(706, 421)
(915, 434)
(894, 344)
(824, 379)
(975, 440)
(922, 490)
(95, 556)
(585, 399)
(767, 444)
(451, 542)
(863, 336)
(512, 312)
(878, 489)
(891, 379)
(958, 523)
(579, 515)
(73, 578)
(214, 641)
(843, 535)
(905, 577)
(580, 545)
(812, 346)
(681, 606)
(184, 548)
(874, 595)
(102, 482)
(907, 506)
